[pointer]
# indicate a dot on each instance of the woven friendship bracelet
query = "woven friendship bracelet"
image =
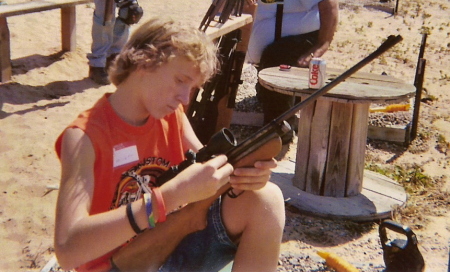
(131, 219)
(149, 210)
(160, 204)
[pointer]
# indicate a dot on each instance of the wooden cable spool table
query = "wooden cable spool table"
(329, 178)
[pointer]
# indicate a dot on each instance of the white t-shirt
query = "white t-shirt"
(299, 16)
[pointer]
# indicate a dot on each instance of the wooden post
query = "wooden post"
(68, 28)
(5, 51)
(420, 74)
(396, 7)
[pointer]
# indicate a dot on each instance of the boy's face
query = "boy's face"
(170, 85)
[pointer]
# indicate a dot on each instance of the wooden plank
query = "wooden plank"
(338, 150)
(68, 28)
(358, 138)
(302, 158)
(384, 186)
(36, 6)
(389, 134)
(5, 51)
(318, 153)
(216, 29)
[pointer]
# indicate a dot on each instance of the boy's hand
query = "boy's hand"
(199, 181)
(252, 178)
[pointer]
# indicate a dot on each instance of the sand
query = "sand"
(49, 88)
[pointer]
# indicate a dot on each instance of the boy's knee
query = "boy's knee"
(267, 200)
(254, 208)
(267, 206)
(272, 197)
(271, 192)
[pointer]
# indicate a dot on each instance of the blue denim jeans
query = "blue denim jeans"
(208, 250)
(106, 39)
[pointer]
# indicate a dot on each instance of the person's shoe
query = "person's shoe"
(99, 75)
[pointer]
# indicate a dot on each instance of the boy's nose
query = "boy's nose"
(184, 96)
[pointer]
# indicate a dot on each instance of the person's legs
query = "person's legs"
(287, 50)
(256, 220)
(102, 38)
(120, 32)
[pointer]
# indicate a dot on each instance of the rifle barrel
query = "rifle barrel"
(278, 125)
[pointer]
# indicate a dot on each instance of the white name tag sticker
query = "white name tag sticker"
(124, 154)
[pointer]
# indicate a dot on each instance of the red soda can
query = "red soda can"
(317, 73)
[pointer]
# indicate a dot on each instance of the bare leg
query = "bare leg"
(256, 220)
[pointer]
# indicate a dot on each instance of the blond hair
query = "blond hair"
(159, 40)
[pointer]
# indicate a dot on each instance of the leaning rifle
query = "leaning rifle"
(218, 94)
(266, 142)
(222, 8)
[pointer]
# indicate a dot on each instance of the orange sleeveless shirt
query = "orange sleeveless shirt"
(124, 153)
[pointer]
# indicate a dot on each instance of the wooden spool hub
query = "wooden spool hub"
(330, 154)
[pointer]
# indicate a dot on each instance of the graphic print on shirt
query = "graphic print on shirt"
(143, 174)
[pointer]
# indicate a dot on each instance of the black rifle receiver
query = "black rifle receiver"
(223, 142)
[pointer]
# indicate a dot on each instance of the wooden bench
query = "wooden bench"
(68, 27)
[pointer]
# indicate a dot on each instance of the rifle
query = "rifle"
(267, 137)
(223, 8)
(262, 145)
(204, 114)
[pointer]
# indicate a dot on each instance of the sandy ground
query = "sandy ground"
(49, 88)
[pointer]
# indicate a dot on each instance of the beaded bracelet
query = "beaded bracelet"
(149, 210)
(160, 204)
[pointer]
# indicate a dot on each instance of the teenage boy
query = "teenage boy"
(110, 214)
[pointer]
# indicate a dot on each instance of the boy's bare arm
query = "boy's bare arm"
(329, 16)
(150, 250)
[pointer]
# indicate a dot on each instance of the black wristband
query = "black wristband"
(231, 193)
(131, 219)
